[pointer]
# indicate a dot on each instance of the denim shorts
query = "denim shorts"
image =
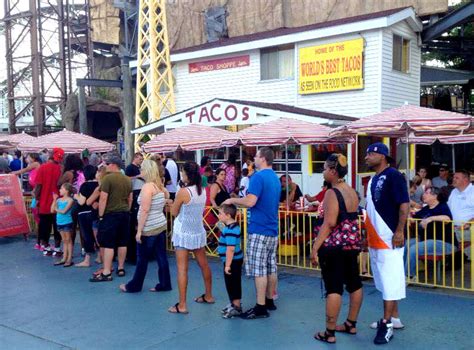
(65, 228)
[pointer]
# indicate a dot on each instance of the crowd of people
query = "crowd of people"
(122, 214)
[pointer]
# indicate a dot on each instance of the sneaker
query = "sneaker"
(226, 308)
(384, 333)
(396, 322)
(232, 312)
(57, 252)
(37, 247)
(252, 314)
(47, 251)
(42, 248)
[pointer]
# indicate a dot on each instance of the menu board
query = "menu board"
(13, 217)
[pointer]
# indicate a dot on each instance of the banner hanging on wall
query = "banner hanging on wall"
(331, 67)
(13, 218)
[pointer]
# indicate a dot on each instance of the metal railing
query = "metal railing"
(444, 264)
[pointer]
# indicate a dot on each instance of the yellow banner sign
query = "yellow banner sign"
(331, 67)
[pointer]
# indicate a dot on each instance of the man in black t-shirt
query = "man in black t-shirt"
(133, 170)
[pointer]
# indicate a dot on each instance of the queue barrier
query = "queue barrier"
(437, 267)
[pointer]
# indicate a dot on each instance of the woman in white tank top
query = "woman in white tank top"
(151, 231)
(189, 235)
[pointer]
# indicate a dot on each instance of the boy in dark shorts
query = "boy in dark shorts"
(232, 256)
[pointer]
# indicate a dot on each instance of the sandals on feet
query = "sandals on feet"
(324, 337)
(202, 300)
(101, 278)
(57, 263)
(69, 265)
(175, 310)
(120, 272)
(349, 327)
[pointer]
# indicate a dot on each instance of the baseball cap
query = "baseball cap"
(380, 148)
(58, 154)
(114, 159)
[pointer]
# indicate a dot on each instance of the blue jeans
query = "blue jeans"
(427, 247)
(151, 245)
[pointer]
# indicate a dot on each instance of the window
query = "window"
(277, 62)
(294, 159)
(401, 54)
(319, 154)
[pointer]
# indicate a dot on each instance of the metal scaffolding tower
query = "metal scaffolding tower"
(40, 77)
(154, 95)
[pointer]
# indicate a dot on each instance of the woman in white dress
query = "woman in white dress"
(189, 235)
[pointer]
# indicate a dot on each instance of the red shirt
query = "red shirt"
(320, 195)
(47, 176)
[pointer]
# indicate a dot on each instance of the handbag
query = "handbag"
(346, 234)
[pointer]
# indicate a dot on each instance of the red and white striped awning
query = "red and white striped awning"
(69, 141)
(191, 137)
(289, 131)
(16, 139)
(399, 121)
(448, 139)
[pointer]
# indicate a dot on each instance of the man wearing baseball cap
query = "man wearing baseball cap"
(114, 216)
(47, 179)
(388, 206)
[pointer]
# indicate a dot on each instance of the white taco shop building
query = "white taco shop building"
(327, 72)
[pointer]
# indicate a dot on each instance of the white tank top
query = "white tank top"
(156, 219)
(188, 228)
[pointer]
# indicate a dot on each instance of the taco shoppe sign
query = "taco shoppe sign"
(331, 67)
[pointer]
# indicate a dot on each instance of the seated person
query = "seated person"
(294, 191)
(416, 192)
(442, 179)
(435, 230)
(317, 199)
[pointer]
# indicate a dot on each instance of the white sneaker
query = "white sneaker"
(396, 322)
(226, 308)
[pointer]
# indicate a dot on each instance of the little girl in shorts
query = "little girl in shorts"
(62, 208)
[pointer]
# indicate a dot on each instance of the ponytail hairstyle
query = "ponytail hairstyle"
(191, 169)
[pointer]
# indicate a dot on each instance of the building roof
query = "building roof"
(265, 108)
(288, 31)
(442, 76)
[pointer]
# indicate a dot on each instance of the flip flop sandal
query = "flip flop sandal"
(99, 271)
(176, 310)
(68, 265)
(348, 326)
(120, 272)
(325, 337)
(57, 263)
(202, 300)
(101, 278)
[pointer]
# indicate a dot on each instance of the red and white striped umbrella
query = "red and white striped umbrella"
(16, 139)
(69, 141)
(191, 137)
(448, 139)
(406, 119)
(289, 131)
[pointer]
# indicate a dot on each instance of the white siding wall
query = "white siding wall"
(236, 83)
(398, 87)
(356, 103)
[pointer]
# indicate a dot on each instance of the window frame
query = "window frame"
(405, 46)
(277, 50)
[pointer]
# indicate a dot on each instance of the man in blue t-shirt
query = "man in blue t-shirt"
(260, 260)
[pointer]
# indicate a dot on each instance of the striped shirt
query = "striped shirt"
(156, 220)
(230, 237)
